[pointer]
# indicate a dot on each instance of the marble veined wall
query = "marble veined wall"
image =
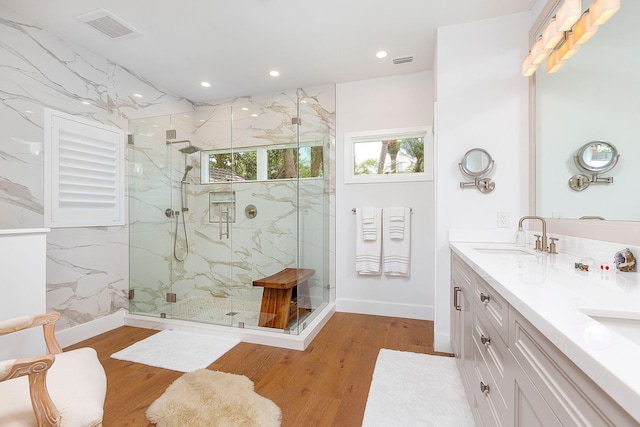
(293, 217)
(87, 274)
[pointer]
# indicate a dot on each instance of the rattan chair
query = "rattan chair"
(65, 389)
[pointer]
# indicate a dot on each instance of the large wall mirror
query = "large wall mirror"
(595, 96)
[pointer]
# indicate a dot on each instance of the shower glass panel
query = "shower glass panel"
(233, 194)
(150, 245)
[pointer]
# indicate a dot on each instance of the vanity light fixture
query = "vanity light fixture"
(568, 14)
(569, 48)
(554, 63)
(552, 35)
(538, 52)
(602, 10)
(528, 67)
(565, 32)
(584, 29)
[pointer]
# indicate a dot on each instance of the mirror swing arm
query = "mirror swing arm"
(470, 168)
(593, 167)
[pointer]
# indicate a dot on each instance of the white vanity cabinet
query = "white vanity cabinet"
(513, 375)
(461, 320)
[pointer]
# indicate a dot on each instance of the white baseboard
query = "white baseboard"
(442, 342)
(90, 329)
(407, 311)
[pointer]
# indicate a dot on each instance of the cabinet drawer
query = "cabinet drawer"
(573, 397)
(490, 405)
(492, 347)
(489, 302)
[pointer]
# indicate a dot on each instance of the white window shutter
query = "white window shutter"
(84, 164)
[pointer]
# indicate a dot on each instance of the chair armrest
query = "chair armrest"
(47, 321)
(36, 368)
(15, 368)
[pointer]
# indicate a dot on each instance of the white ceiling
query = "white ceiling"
(235, 43)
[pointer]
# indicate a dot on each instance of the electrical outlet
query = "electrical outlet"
(503, 219)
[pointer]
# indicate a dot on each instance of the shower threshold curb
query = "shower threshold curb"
(264, 337)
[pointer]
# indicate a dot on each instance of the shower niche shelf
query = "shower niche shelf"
(222, 206)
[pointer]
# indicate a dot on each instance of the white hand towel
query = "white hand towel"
(368, 251)
(397, 218)
(370, 218)
(397, 252)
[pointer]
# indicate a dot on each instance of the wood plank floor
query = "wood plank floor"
(325, 385)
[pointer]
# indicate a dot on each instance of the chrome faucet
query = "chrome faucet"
(543, 245)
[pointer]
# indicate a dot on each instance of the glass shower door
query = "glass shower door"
(150, 243)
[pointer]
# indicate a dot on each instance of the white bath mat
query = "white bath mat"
(411, 389)
(177, 350)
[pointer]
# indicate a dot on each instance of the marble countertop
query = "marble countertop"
(558, 300)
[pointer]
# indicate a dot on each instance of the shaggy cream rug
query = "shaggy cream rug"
(213, 399)
(411, 389)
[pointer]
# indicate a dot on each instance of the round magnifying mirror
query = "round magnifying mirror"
(476, 163)
(597, 156)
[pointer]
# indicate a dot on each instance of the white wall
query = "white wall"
(385, 103)
(481, 102)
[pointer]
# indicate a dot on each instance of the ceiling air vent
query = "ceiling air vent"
(403, 59)
(108, 24)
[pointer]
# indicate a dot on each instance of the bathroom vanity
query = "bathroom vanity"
(540, 343)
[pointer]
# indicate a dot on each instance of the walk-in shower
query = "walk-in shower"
(229, 196)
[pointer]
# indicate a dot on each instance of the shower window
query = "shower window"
(263, 163)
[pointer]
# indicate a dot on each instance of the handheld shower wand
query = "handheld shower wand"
(186, 173)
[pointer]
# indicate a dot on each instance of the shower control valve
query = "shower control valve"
(170, 213)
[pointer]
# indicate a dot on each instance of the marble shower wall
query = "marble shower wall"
(258, 247)
(87, 274)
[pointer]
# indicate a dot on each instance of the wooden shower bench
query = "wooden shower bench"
(279, 299)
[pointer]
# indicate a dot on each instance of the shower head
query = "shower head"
(190, 149)
(186, 173)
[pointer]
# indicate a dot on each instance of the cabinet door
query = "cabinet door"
(528, 408)
(574, 397)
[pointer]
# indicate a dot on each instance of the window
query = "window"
(389, 155)
(84, 170)
(263, 163)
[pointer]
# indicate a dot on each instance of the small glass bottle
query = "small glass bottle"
(521, 237)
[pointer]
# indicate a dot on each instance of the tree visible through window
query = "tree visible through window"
(389, 156)
(265, 162)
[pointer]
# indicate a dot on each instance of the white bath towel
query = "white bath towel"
(397, 217)
(397, 252)
(368, 251)
(370, 221)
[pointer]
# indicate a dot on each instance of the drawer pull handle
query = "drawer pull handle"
(456, 304)
(484, 298)
(485, 340)
(484, 388)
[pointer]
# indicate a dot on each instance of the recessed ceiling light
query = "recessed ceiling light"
(274, 73)
(381, 54)
(254, 115)
(28, 111)
(205, 84)
(245, 109)
(137, 95)
(86, 102)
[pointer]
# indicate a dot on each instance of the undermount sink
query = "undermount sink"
(625, 324)
(502, 251)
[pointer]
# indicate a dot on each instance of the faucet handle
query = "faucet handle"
(553, 248)
(538, 242)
